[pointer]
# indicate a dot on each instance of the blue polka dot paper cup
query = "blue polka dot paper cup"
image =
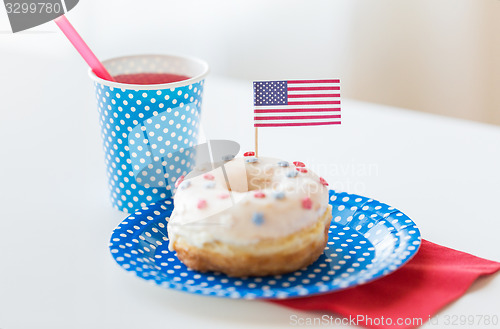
(149, 130)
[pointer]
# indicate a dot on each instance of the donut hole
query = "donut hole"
(256, 183)
(243, 178)
(259, 178)
(238, 176)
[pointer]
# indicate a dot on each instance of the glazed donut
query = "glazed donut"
(250, 217)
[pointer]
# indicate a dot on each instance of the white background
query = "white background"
(435, 56)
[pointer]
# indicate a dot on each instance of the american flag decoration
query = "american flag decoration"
(296, 103)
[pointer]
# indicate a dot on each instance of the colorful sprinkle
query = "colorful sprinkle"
(228, 157)
(249, 154)
(283, 164)
(223, 196)
(258, 218)
(291, 174)
(202, 203)
(259, 195)
(323, 181)
(302, 170)
(307, 203)
(299, 164)
(179, 181)
(209, 176)
(185, 184)
(279, 195)
(209, 184)
(251, 160)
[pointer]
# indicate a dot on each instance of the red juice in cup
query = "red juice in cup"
(149, 78)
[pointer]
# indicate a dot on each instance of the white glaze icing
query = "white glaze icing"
(233, 219)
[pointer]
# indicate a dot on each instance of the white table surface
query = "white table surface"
(55, 223)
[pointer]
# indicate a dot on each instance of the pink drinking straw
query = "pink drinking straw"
(84, 50)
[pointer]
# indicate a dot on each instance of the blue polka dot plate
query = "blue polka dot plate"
(367, 240)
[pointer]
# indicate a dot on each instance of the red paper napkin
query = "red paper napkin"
(435, 277)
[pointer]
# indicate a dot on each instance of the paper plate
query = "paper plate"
(367, 240)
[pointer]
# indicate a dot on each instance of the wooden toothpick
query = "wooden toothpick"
(256, 141)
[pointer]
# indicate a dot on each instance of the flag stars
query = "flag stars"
(270, 93)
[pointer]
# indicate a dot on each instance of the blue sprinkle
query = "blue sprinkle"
(227, 157)
(258, 218)
(279, 195)
(185, 184)
(210, 184)
(251, 160)
(283, 164)
(292, 174)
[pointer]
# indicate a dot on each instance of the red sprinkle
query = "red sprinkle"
(299, 164)
(201, 204)
(179, 181)
(323, 181)
(249, 154)
(209, 176)
(306, 203)
(303, 170)
(259, 195)
(224, 196)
